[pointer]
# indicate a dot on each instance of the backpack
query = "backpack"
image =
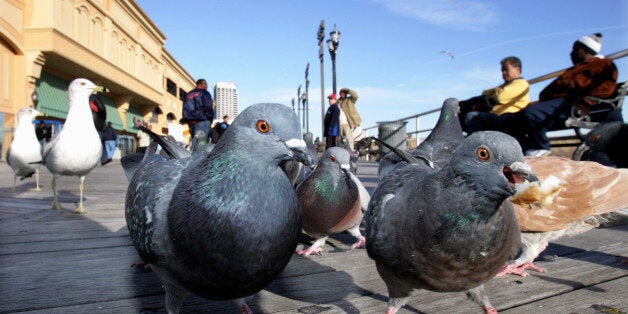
(193, 108)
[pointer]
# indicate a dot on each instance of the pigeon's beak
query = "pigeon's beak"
(345, 166)
(519, 172)
(299, 151)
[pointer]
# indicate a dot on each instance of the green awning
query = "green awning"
(53, 99)
(112, 113)
(53, 95)
(133, 112)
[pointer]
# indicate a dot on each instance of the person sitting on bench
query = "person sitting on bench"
(500, 103)
(591, 75)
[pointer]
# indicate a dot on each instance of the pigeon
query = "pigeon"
(569, 200)
(333, 200)
(448, 228)
(442, 141)
(77, 148)
(222, 224)
(294, 169)
(605, 144)
(24, 153)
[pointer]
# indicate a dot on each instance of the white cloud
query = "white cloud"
(468, 15)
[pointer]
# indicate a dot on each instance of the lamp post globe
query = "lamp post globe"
(332, 44)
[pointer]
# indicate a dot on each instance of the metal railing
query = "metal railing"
(535, 80)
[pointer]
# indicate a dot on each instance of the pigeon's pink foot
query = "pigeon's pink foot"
(245, 309)
(311, 250)
(361, 242)
(489, 310)
(519, 270)
(392, 310)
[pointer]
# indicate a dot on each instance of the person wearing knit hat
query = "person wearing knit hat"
(591, 42)
(590, 75)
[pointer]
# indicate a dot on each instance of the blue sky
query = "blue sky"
(390, 50)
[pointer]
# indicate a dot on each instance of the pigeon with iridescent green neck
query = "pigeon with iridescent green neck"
(333, 200)
(220, 224)
(448, 229)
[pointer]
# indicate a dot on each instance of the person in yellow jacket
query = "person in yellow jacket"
(347, 100)
(503, 101)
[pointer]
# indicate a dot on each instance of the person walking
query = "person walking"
(109, 137)
(198, 110)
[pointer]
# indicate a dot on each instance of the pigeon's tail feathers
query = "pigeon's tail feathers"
(173, 149)
(130, 163)
(407, 157)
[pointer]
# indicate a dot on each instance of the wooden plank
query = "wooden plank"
(606, 297)
(53, 262)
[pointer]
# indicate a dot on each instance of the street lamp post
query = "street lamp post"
(332, 43)
(306, 101)
(321, 54)
(299, 105)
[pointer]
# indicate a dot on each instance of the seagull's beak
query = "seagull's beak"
(299, 151)
(99, 89)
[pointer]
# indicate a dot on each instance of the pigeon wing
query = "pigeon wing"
(584, 189)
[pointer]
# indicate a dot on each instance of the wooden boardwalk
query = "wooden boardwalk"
(60, 262)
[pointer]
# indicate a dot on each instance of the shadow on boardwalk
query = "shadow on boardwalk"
(61, 262)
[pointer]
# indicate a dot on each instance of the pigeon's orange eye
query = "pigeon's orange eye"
(483, 153)
(596, 138)
(263, 126)
(332, 158)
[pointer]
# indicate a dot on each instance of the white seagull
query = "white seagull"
(77, 149)
(24, 154)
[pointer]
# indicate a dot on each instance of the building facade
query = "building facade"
(45, 44)
(226, 97)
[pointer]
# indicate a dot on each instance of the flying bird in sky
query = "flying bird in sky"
(449, 53)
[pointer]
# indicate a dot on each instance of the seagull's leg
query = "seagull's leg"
(316, 248)
(55, 201)
(478, 296)
(37, 188)
(80, 209)
(355, 231)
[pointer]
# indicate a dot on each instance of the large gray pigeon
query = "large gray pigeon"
(24, 154)
(77, 148)
(448, 229)
(332, 199)
(442, 141)
(222, 224)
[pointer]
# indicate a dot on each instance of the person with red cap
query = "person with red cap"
(332, 122)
